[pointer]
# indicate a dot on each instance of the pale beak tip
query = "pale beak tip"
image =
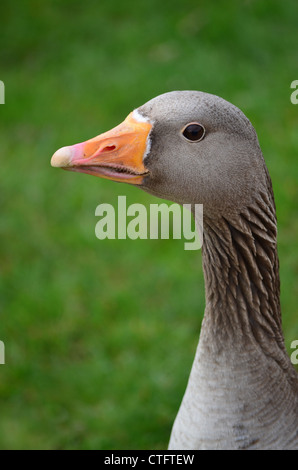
(62, 157)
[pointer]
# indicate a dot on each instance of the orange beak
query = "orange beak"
(117, 154)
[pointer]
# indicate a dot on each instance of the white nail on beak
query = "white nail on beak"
(62, 157)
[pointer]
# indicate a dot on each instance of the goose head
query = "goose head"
(185, 146)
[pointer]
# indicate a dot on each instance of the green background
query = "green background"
(100, 335)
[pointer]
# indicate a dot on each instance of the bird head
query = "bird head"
(184, 146)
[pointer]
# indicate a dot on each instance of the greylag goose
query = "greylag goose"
(196, 148)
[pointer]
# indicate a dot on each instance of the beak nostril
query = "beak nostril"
(108, 148)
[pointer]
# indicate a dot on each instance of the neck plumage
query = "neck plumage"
(241, 369)
(240, 265)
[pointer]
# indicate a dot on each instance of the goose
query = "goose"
(193, 147)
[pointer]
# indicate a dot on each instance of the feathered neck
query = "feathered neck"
(242, 391)
(241, 270)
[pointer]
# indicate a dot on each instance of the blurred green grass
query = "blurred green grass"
(100, 335)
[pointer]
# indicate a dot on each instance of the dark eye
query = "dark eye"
(194, 132)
